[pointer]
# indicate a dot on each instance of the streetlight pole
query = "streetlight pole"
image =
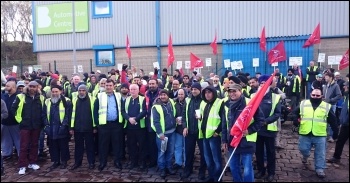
(74, 39)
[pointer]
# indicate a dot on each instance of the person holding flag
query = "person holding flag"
(242, 144)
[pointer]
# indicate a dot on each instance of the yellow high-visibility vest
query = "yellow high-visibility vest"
(102, 111)
(314, 121)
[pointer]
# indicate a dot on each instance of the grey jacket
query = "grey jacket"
(331, 93)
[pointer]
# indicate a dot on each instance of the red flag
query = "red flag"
(315, 37)
(182, 72)
(243, 120)
(277, 54)
(171, 57)
(300, 75)
(128, 50)
(195, 61)
(344, 62)
(214, 45)
(263, 40)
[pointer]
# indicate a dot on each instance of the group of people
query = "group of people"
(160, 121)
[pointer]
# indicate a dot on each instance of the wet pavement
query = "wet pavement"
(288, 168)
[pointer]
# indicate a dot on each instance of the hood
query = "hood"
(212, 89)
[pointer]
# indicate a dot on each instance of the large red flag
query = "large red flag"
(277, 54)
(344, 62)
(195, 61)
(214, 45)
(128, 50)
(171, 57)
(263, 40)
(315, 37)
(243, 120)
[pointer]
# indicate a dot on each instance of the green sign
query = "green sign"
(57, 18)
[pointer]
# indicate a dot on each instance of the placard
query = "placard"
(227, 63)
(321, 57)
(239, 64)
(120, 67)
(295, 60)
(197, 69)
(80, 68)
(187, 64)
(30, 69)
(178, 64)
(37, 67)
(234, 65)
(14, 69)
(255, 62)
(338, 59)
(275, 64)
(208, 62)
(331, 60)
(156, 65)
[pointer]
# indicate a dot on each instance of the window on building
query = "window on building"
(101, 9)
(104, 55)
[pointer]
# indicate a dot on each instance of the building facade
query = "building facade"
(101, 27)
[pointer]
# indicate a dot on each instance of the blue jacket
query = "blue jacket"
(344, 114)
(10, 120)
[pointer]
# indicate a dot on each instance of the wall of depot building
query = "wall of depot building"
(143, 58)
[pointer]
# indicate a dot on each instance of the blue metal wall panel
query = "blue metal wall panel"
(247, 49)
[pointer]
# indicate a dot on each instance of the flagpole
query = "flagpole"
(228, 161)
(216, 65)
(130, 62)
(265, 62)
(171, 69)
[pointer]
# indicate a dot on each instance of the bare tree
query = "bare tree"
(25, 12)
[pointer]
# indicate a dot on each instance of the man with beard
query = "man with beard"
(83, 128)
(190, 132)
(151, 94)
(56, 116)
(73, 87)
(254, 85)
(101, 87)
(314, 115)
(92, 85)
(218, 87)
(28, 109)
(9, 127)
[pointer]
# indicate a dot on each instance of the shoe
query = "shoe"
(143, 166)
(63, 165)
(34, 166)
(4, 158)
(333, 160)
(163, 173)
(22, 171)
(118, 166)
(330, 140)
(91, 166)
(132, 166)
(176, 166)
(270, 178)
(75, 166)
(170, 171)
(259, 175)
(208, 179)
(2, 171)
(321, 174)
(304, 160)
(101, 167)
(54, 165)
(185, 175)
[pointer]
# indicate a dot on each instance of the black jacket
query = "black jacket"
(179, 106)
(235, 110)
(31, 113)
(192, 123)
(83, 121)
(134, 111)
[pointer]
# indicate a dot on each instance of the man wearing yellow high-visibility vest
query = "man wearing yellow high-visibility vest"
(134, 111)
(27, 109)
(243, 155)
(56, 115)
(109, 121)
(163, 123)
(314, 116)
(83, 127)
(212, 114)
(271, 108)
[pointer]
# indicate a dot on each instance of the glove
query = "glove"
(124, 67)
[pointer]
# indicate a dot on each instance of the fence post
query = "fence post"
(90, 65)
(54, 65)
(49, 66)
(21, 65)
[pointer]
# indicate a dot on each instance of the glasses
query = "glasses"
(314, 95)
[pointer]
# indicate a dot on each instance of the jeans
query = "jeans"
(9, 137)
(329, 129)
(235, 166)
(179, 149)
(305, 144)
(342, 138)
(165, 158)
(28, 138)
(212, 155)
